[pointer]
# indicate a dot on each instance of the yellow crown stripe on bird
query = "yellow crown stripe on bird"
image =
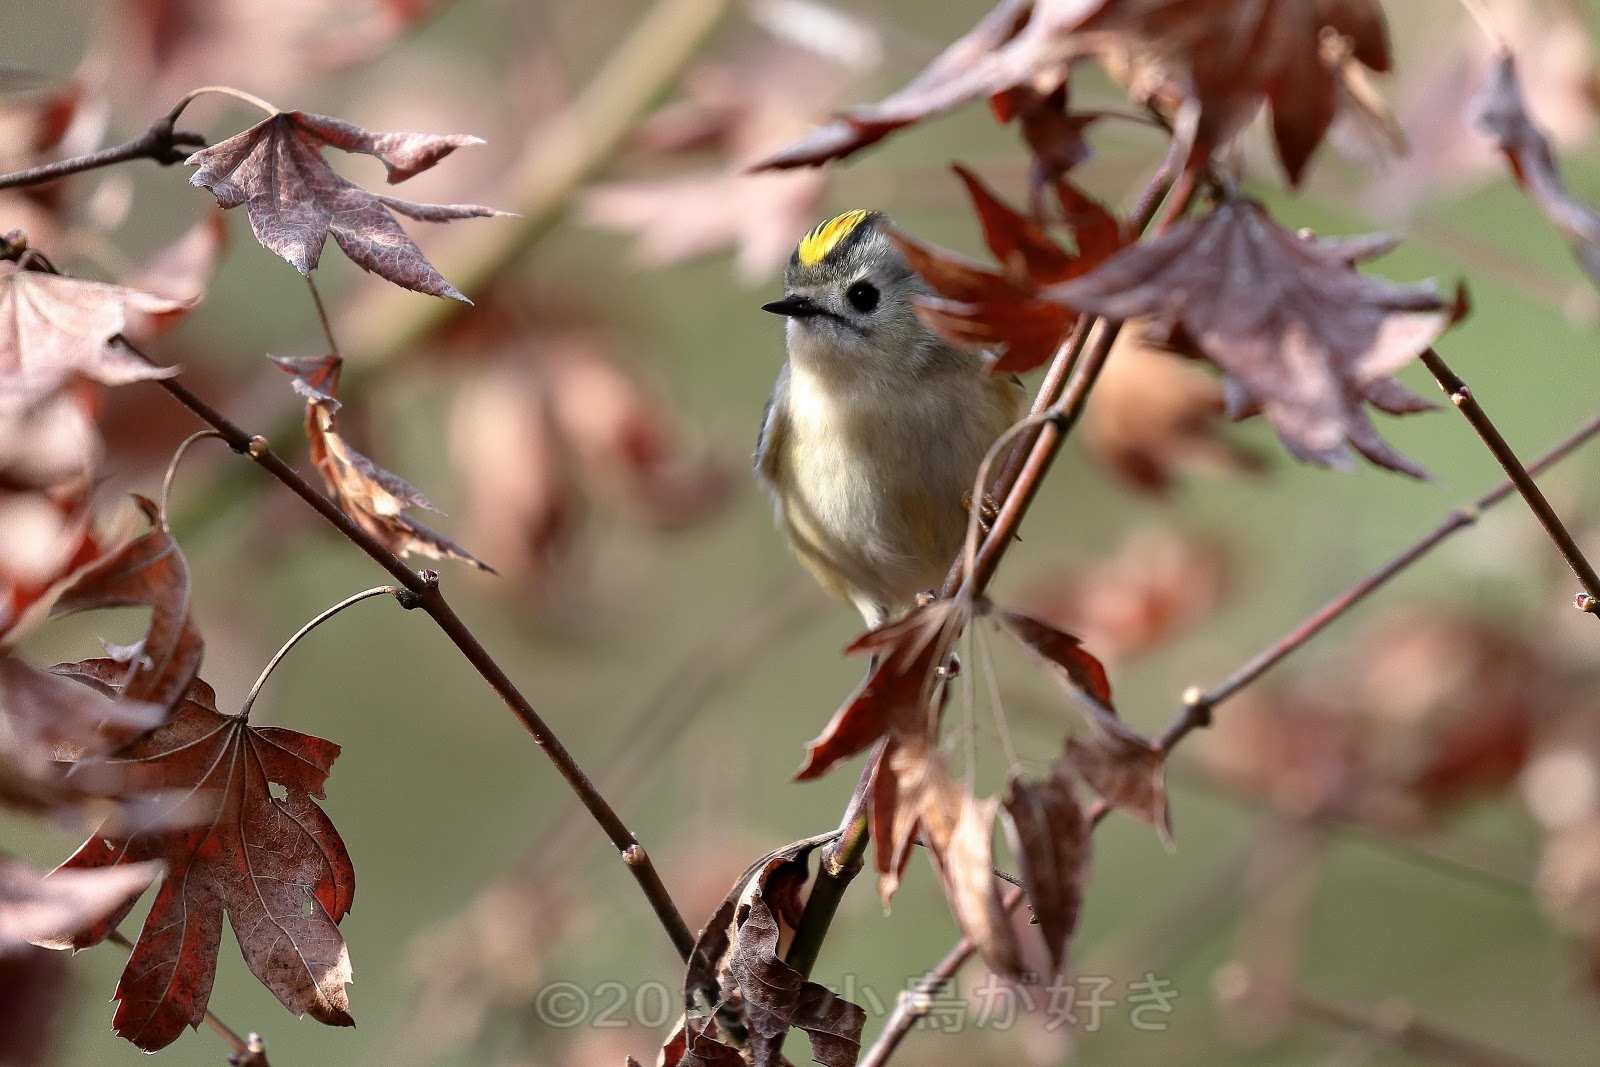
(815, 246)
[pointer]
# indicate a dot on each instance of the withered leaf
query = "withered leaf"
(943, 84)
(736, 957)
(45, 722)
(374, 498)
(52, 327)
(1051, 839)
(1001, 310)
(276, 867)
(912, 790)
(1222, 58)
(692, 1044)
(149, 571)
(967, 866)
(1296, 330)
(897, 694)
(1127, 771)
(48, 910)
(296, 201)
(1062, 653)
(48, 535)
(1501, 113)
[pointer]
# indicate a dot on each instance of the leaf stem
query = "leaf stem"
(172, 466)
(247, 1052)
(322, 316)
(424, 585)
(224, 90)
(399, 594)
(1463, 398)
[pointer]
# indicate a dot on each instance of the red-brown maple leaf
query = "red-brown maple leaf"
(1001, 310)
(1051, 837)
(149, 571)
(1294, 327)
(296, 201)
(277, 867)
(52, 327)
(373, 497)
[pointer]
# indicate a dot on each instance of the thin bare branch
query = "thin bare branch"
(424, 587)
(160, 142)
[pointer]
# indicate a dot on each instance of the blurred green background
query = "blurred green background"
(439, 790)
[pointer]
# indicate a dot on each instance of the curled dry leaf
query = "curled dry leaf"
(945, 83)
(374, 498)
(912, 792)
(1001, 310)
(1050, 836)
(1211, 64)
(1120, 765)
(1501, 114)
(1158, 584)
(966, 864)
(1127, 771)
(53, 327)
(53, 733)
(1296, 330)
(149, 571)
(1227, 58)
(48, 535)
(693, 1044)
(1152, 416)
(735, 962)
(276, 867)
(40, 910)
(897, 696)
(296, 200)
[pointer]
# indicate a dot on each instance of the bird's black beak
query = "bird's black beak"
(794, 307)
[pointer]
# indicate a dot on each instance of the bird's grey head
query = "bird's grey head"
(847, 296)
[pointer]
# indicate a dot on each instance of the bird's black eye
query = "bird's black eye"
(863, 296)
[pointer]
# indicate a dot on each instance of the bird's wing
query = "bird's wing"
(774, 426)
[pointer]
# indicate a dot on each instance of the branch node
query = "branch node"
(1460, 397)
(258, 447)
(407, 599)
(1197, 706)
(634, 855)
(1587, 603)
(429, 578)
(1468, 515)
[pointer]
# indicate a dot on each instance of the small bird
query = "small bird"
(877, 426)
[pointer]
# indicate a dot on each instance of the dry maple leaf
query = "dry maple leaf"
(1294, 327)
(149, 571)
(296, 200)
(1228, 57)
(52, 327)
(966, 865)
(1500, 112)
(1051, 837)
(48, 535)
(735, 962)
(1001, 310)
(40, 909)
(1440, 78)
(896, 697)
(1152, 415)
(945, 83)
(374, 498)
(276, 866)
(52, 734)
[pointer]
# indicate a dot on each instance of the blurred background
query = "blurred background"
(1399, 822)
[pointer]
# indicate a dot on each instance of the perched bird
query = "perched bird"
(877, 426)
